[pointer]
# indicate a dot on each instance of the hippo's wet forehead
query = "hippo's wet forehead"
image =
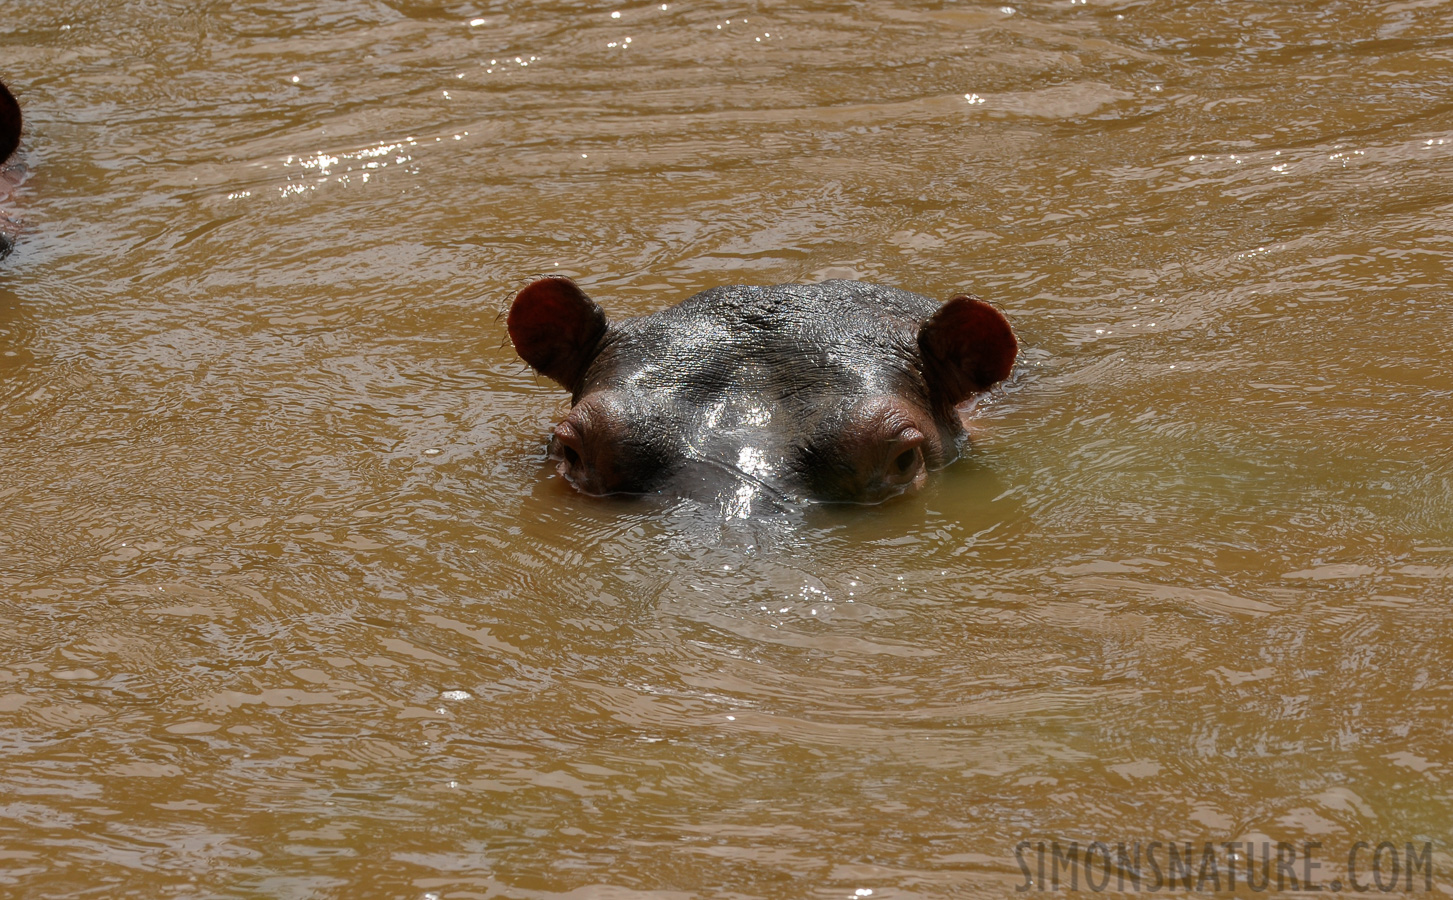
(774, 343)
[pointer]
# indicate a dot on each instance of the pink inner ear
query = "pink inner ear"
(556, 328)
(968, 347)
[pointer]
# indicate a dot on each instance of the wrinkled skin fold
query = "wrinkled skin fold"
(840, 391)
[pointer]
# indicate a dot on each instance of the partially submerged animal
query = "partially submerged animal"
(839, 391)
(10, 127)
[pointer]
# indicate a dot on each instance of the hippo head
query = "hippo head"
(840, 391)
(10, 123)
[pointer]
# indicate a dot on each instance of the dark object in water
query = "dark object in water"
(10, 123)
(840, 391)
(10, 127)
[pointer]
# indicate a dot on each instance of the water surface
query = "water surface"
(294, 608)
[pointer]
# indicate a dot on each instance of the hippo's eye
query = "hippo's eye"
(570, 443)
(601, 451)
(879, 453)
(906, 460)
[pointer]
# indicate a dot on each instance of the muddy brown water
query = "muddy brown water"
(293, 608)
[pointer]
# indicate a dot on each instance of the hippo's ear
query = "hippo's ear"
(556, 329)
(967, 347)
(9, 124)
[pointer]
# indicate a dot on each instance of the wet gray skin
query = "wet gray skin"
(10, 123)
(10, 127)
(750, 397)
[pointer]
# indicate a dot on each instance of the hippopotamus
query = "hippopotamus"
(10, 125)
(840, 391)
